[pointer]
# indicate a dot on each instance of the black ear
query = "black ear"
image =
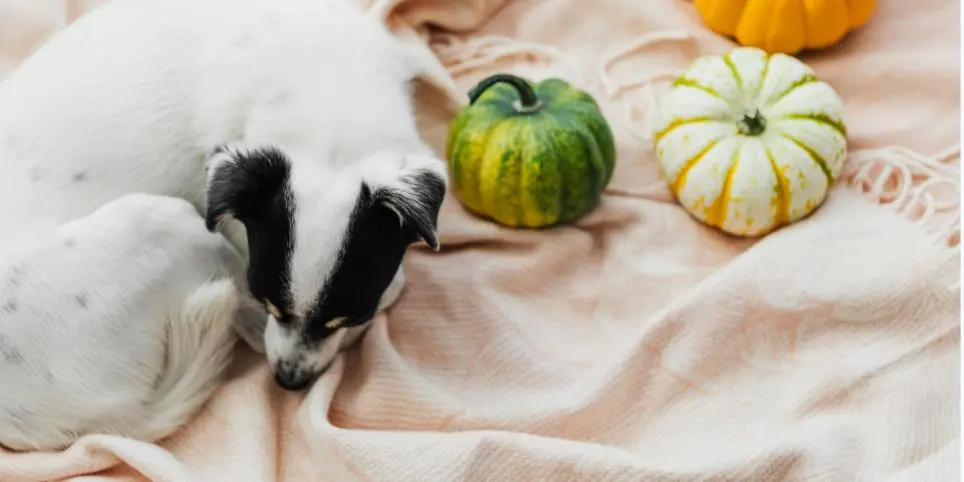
(416, 200)
(245, 182)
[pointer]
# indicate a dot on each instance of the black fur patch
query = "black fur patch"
(255, 188)
(373, 249)
(419, 205)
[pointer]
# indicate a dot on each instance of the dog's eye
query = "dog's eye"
(335, 323)
(273, 310)
(347, 321)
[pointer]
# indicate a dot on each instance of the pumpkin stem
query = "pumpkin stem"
(753, 124)
(527, 96)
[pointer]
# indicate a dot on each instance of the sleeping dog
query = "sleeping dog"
(170, 165)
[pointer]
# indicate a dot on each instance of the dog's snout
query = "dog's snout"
(293, 380)
(294, 377)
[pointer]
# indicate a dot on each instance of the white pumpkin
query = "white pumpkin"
(749, 141)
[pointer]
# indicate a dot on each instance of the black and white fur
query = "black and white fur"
(285, 125)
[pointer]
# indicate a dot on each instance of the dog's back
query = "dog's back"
(118, 101)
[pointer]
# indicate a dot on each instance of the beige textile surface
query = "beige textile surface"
(636, 345)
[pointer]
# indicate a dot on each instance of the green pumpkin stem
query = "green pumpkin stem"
(527, 96)
(753, 124)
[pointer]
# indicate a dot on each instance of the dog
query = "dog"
(176, 173)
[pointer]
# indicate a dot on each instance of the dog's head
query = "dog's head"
(323, 245)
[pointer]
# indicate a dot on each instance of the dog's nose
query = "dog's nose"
(292, 380)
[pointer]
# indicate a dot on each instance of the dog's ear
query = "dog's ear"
(416, 199)
(245, 183)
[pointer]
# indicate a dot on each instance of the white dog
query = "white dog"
(285, 124)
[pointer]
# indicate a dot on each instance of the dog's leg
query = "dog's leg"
(251, 319)
(200, 336)
(251, 322)
(130, 311)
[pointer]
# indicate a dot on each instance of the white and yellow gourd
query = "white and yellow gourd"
(749, 141)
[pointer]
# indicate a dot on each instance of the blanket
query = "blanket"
(637, 344)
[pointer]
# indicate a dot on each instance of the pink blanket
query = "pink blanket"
(636, 345)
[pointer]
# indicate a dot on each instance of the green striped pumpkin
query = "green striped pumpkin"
(529, 155)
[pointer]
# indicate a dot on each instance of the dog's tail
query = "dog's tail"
(200, 340)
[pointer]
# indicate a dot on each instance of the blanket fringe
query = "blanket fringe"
(910, 184)
(460, 55)
(612, 89)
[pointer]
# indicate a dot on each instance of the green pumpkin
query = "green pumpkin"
(529, 155)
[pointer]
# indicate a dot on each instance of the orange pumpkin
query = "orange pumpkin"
(785, 26)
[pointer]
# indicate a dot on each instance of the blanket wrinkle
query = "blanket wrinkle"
(635, 344)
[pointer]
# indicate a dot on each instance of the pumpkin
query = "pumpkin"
(786, 26)
(529, 155)
(750, 141)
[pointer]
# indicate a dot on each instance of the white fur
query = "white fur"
(118, 322)
(131, 99)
